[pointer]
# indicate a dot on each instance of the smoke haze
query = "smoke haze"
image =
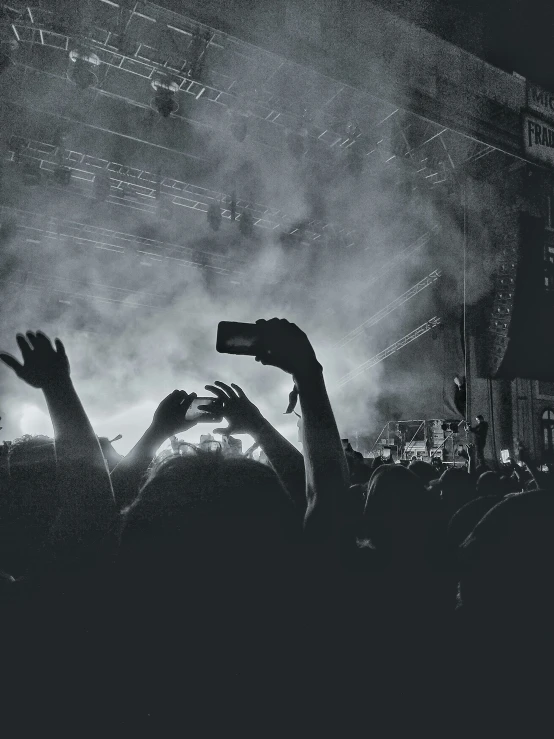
(138, 323)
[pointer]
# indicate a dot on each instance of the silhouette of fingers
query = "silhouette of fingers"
(239, 391)
(26, 351)
(11, 362)
(218, 392)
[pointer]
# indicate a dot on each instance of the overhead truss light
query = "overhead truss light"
(214, 216)
(83, 69)
(246, 224)
(7, 47)
(164, 100)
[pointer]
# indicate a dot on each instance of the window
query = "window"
(548, 267)
(547, 422)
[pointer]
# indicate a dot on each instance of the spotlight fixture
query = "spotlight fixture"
(83, 68)
(214, 216)
(246, 224)
(62, 175)
(164, 100)
(5, 62)
(6, 47)
(197, 54)
(32, 176)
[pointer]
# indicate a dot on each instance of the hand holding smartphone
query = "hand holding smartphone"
(238, 338)
(205, 410)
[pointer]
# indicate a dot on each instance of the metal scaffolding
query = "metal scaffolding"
(408, 295)
(412, 336)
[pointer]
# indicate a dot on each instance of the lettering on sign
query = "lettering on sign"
(541, 101)
(538, 139)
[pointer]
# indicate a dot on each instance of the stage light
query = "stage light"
(7, 47)
(214, 216)
(246, 224)
(164, 101)
(62, 175)
(32, 175)
(83, 68)
(5, 62)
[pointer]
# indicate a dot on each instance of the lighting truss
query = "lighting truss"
(66, 289)
(33, 228)
(145, 60)
(140, 189)
(414, 290)
(154, 40)
(392, 349)
(406, 253)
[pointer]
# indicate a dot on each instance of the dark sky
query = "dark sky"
(515, 35)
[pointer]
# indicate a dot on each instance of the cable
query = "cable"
(464, 288)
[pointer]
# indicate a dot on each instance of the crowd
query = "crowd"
(208, 593)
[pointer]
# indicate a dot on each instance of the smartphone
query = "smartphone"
(213, 413)
(238, 338)
(386, 453)
(505, 456)
(460, 448)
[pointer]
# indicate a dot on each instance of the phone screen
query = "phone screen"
(214, 413)
(505, 455)
(237, 338)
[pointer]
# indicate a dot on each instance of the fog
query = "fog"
(136, 326)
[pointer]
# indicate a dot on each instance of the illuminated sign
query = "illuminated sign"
(540, 101)
(538, 139)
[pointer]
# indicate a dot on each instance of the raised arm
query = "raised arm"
(245, 418)
(83, 477)
(284, 345)
(169, 419)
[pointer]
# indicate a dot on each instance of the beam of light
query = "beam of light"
(421, 285)
(34, 421)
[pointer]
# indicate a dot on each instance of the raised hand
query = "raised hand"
(169, 418)
(43, 365)
(240, 412)
(284, 345)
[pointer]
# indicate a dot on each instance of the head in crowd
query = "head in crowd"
(467, 517)
(222, 514)
(426, 472)
(30, 500)
(506, 562)
(490, 483)
(397, 510)
(457, 487)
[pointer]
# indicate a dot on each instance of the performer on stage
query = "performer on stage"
(480, 431)
(460, 395)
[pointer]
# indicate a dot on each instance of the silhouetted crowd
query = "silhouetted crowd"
(203, 593)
